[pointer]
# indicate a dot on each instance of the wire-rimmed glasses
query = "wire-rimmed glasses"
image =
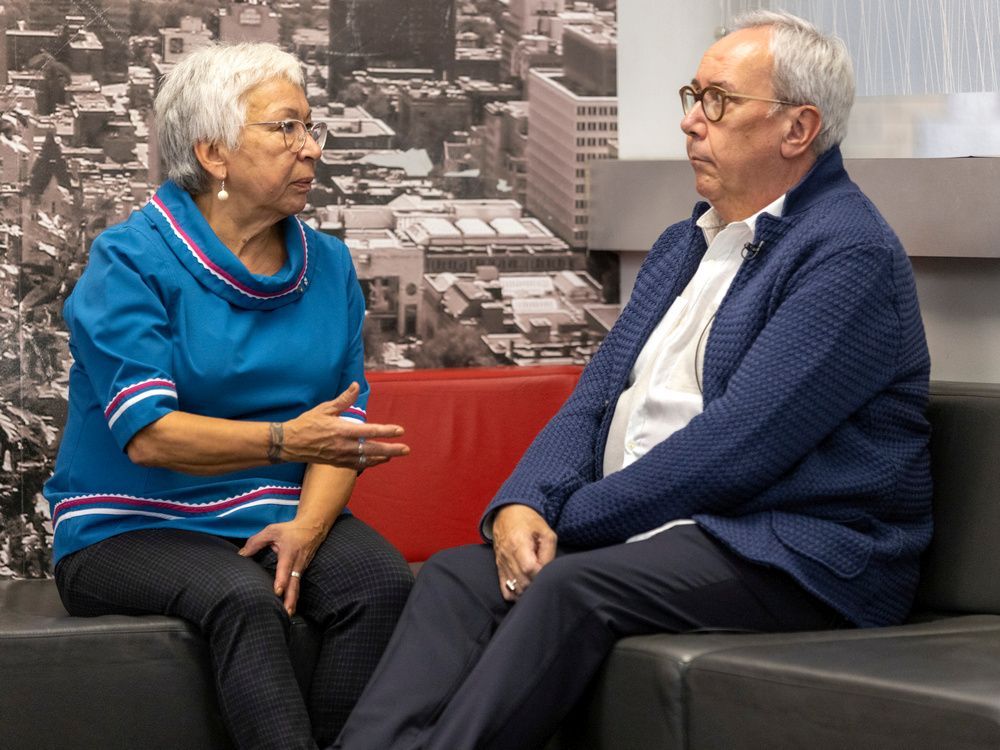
(294, 132)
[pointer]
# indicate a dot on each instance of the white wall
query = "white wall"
(960, 304)
(660, 45)
(657, 54)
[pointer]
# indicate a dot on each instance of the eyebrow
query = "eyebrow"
(287, 113)
(722, 84)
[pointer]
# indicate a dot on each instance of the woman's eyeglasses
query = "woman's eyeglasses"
(294, 132)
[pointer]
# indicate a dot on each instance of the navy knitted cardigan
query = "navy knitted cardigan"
(811, 452)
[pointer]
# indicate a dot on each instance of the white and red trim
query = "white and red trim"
(124, 505)
(355, 413)
(209, 265)
(133, 394)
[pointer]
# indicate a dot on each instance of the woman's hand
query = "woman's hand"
(295, 543)
(319, 436)
(523, 543)
(196, 444)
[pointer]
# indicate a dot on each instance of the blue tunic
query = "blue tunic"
(166, 318)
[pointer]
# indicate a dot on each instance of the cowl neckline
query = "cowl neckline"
(187, 233)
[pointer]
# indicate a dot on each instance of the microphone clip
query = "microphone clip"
(751, 249)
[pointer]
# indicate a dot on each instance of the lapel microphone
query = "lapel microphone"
(750, 250)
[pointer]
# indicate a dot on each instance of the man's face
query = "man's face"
(737, 161)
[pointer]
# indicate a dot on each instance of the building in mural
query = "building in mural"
(573, 120)
(248, 22)
(184, 39)
(389, 33)
(426, 176)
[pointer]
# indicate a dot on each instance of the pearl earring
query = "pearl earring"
(222, 195)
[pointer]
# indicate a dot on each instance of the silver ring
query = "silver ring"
(361, 446)
(362, 461)
(296, 574)
(511, 584)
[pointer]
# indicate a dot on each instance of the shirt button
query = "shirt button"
(631, 446)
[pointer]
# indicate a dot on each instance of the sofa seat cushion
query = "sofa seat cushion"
(641, 698)
(924, 686)
(105, 682)
(115, 681)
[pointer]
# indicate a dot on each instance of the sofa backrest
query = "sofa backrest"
(466, 428)
(961, 569)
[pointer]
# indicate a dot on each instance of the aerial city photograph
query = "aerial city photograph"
(455, 170)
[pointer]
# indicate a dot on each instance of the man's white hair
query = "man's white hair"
(809, 68)
(204, 98)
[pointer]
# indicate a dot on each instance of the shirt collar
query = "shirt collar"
(711, 223)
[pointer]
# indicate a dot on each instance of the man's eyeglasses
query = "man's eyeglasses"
(294, 132)
(713, 101)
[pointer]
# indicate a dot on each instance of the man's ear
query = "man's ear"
(212, 158)
(803, 129)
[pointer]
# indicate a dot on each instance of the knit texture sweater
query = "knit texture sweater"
(811, 452)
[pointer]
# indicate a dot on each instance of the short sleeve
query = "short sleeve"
(120, 334)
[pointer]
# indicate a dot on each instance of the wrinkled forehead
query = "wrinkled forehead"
(740, 61)
(276, 99)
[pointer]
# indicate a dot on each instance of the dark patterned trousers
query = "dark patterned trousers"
(467, 670)
(353, 590)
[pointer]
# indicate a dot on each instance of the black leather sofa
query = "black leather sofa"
(931, 684)
(144, 682)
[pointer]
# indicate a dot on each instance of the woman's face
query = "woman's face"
(263, 175)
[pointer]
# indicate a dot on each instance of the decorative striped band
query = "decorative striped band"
(111, 504)
(354, 412)
(217, 270)
(132, 394)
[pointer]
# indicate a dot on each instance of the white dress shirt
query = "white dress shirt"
(664, 390)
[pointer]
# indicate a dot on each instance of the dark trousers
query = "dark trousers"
(465, 670)
(354, 590)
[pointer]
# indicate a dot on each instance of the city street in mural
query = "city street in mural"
(456, 172)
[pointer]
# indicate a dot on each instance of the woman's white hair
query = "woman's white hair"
(204, 98)
(809, 68)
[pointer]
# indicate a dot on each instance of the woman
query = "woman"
(197, 475)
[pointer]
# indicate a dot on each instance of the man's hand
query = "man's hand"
(524, 544)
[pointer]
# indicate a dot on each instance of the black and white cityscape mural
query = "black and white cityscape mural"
(456, 171)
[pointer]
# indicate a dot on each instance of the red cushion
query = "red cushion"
(466, 429)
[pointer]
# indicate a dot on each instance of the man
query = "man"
(747, 450)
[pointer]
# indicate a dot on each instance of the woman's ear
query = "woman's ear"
(803, 129)
(212, 158)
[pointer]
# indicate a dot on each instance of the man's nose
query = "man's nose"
(694, 121)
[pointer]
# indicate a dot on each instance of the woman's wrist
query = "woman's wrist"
(276, 442)
(319, 525)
